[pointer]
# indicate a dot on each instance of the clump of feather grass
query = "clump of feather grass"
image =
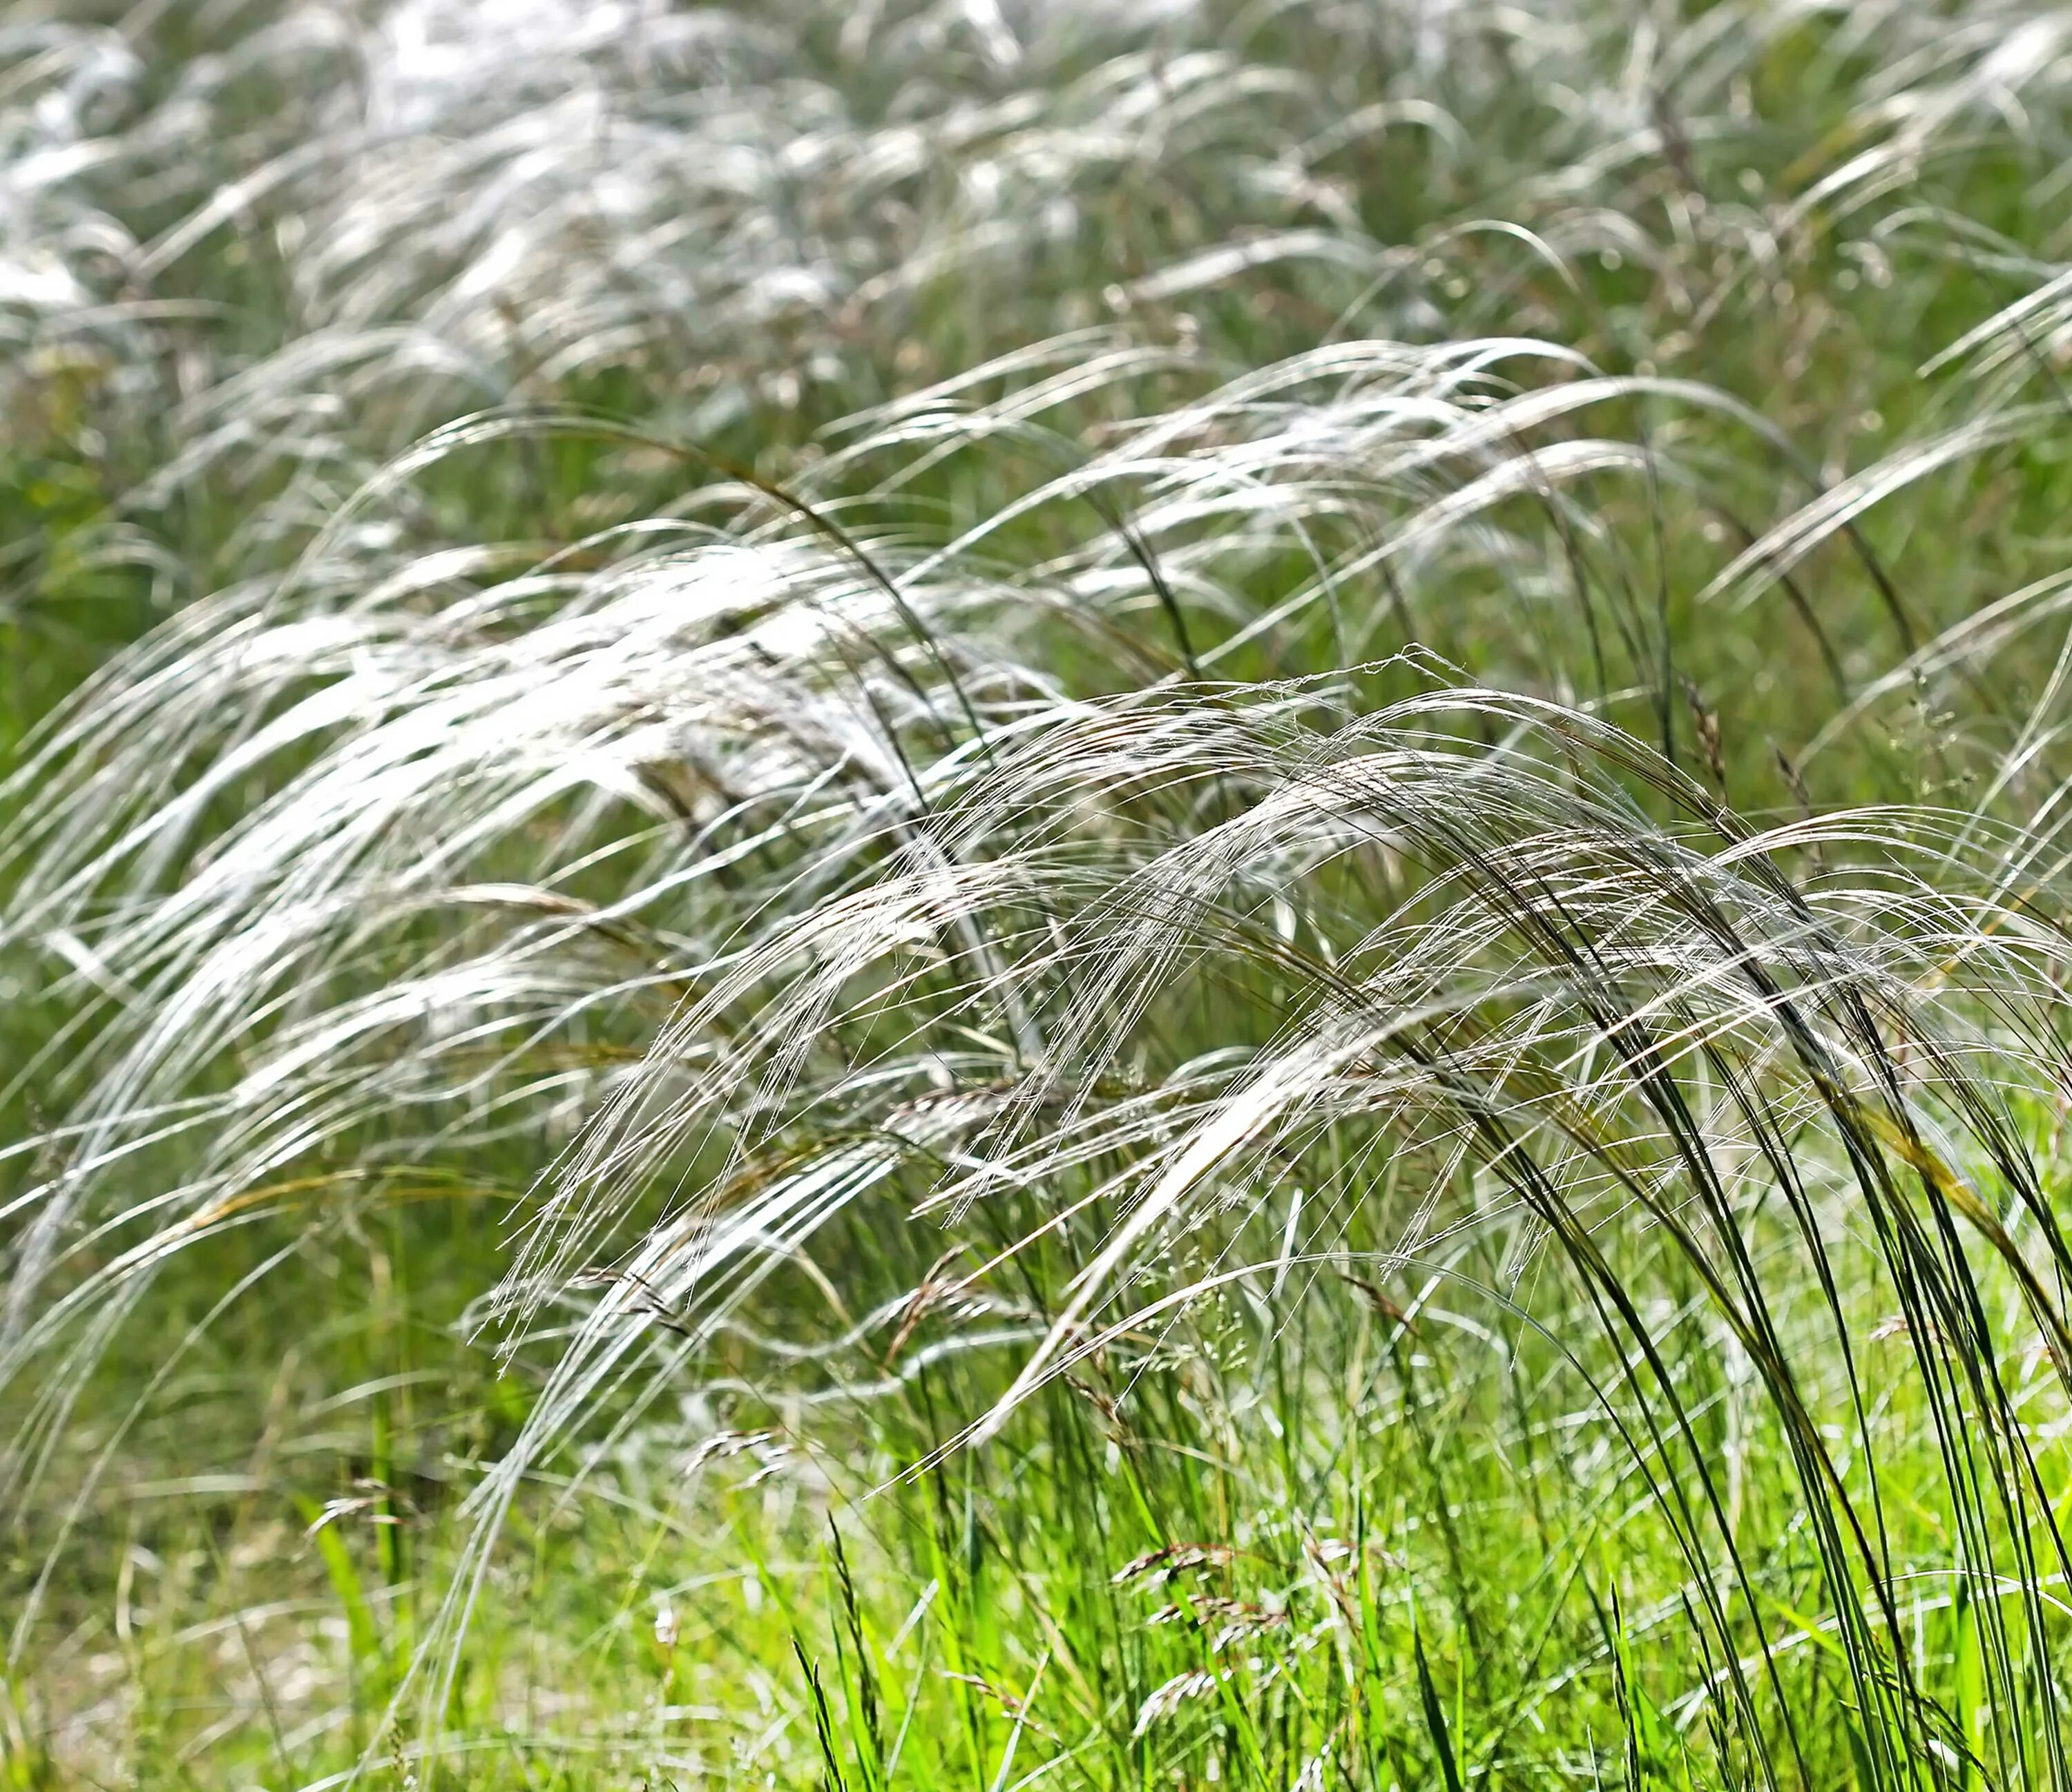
(1483, 958)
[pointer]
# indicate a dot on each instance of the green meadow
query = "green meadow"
(965, 893)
